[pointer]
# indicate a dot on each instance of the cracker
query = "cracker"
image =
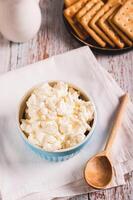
(97, 29)
(124, 18)
(72, 10)
(86, 8)
(102, 22)
(80, 33)
(84, 21)
(99, 14)
(119, 32)
(69, 14)
(69, 2)
(104, 9)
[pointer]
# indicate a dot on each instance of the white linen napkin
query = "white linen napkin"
(24, 175)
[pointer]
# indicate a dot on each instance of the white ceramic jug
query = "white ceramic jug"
(20, 20)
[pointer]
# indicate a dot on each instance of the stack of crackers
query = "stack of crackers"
(107, 23)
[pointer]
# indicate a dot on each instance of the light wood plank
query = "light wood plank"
(4, 55)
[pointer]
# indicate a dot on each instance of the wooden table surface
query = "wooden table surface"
(53, 39)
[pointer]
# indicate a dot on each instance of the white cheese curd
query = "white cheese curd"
(61, 89)
(49, 127)
(56, 145)
(64, 108)
(56, 117)
(40, 136)
(29, 126)
(32, 139)
(72, 140)
(26, 127)
(45, 90)
(73, 94)
(51, 102)
(65, 127)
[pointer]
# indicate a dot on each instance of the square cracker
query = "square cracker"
(119, 32)
(84, 21)
(69, 2)
(70, 13)
(99, 14)
(124, 18)
(73, 9)
(86, 8)
(102, 22)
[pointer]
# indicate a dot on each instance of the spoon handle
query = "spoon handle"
(118, 121)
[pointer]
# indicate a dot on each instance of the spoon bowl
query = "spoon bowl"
(98, 171)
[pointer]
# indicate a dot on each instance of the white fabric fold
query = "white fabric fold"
(26, 176)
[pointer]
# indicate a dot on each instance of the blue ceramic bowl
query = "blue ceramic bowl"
(60, 155)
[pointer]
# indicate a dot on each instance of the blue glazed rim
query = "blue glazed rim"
(63, 152)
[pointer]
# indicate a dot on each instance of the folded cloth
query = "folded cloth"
(23, 174)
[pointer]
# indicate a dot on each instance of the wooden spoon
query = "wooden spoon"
(98, 171)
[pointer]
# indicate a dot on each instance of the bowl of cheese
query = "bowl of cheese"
(56, 119)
